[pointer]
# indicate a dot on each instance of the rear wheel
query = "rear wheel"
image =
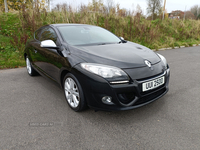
(73, 93)
(29, 67)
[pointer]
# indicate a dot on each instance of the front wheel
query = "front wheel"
(73, 93)
(29, 67)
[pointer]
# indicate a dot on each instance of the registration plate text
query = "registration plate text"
(153, 84)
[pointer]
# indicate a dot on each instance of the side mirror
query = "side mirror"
(122, 39)
(48, 44)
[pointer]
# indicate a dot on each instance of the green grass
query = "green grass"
(10, 56)
(16, 28)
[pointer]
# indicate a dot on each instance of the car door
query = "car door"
(49, 59)
(35, 45)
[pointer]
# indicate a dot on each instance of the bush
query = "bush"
(156, 34)
(153, 34)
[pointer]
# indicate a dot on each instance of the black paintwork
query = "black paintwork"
(55, 63)
(123, 55)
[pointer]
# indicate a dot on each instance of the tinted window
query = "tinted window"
(48, 34)
(83, 35)
(37, 34)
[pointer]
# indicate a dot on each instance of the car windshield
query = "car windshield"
(87, 35)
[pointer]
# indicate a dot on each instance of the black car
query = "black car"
(96, 68)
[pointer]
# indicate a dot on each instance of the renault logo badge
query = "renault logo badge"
(147, 63)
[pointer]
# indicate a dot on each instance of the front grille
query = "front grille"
(149, 78)
(150, 97)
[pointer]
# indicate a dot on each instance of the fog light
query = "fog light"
(107, 100)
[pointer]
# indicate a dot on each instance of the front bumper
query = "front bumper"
(124, 96)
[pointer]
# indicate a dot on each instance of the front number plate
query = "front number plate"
(153, 84)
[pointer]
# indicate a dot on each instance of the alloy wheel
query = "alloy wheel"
(72, 92)
(28, 65)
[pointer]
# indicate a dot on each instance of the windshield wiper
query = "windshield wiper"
(107, 43)
(102, 43)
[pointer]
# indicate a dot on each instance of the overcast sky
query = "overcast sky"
(131, 4)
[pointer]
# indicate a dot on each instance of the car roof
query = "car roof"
(69, 24)
(63, 24)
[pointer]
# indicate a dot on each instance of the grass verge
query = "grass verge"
(17, 28)
(10, 55)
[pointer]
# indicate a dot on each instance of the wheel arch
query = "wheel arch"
(25, 56)
(83, 102)
(62, 75)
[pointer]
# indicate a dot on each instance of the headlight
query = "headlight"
(112, 74)
(163, 60)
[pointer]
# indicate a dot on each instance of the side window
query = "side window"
(48, 34)
(37, 34)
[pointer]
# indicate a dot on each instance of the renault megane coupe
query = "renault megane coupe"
(96, 68)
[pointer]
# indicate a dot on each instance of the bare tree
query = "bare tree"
(195, 10)
(138, 11)
(49, 8)
(110, 5)
(164, 9)
(6, 6)
(153, 7)
(189, 15)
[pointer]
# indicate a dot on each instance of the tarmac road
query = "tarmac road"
(34, 114)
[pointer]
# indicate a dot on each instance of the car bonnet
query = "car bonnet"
(124, 55)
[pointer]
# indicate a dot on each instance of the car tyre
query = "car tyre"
(31, 71)
(74, 93)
